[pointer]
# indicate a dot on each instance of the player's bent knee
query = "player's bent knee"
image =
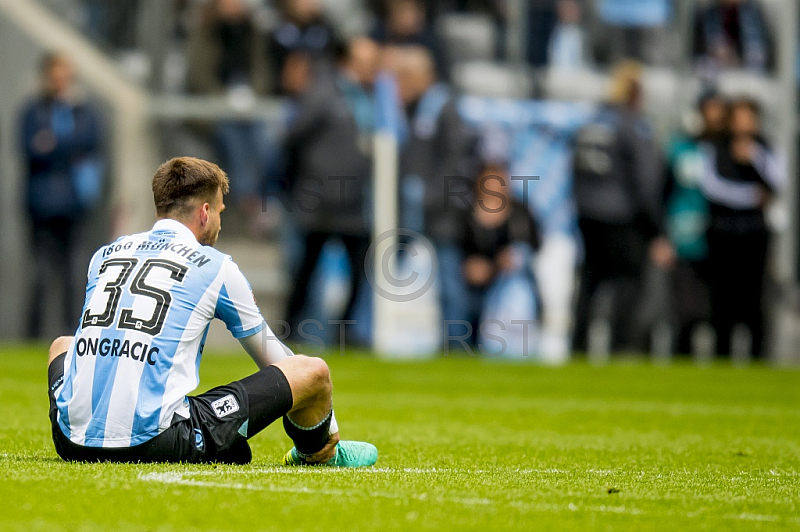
(309, 378)
(59, 345)
(318, 376)
(318, 371)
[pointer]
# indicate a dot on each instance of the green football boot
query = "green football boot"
(347, 454)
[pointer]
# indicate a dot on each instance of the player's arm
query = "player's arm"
(264, 347)
(236, 307)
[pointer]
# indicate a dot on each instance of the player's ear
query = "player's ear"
(204, 210)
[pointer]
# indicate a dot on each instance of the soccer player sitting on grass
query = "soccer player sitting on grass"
(119, 388)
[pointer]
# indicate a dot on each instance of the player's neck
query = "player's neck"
(194, 227)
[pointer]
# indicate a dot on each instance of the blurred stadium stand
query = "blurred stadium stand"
(141, 90)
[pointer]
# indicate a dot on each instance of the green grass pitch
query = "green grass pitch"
(466, 444)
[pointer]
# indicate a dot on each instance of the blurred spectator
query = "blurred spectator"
(542, 20)
(742, 174)
(635, 29)
(733, 34)
(618, 191)
(687, 218)
(497, 10)
(228, 58)
(61, 143)
(112, 24)
(568, 46)
(432, 159)
(406, 24)
(297, 74)
(328, 146)
(302, 28)
(296, 80)
(499, 240)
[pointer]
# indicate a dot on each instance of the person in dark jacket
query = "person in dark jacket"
(328, 151)
(302, 28)
(500, 234)
(619, 192)
(61, 141)
(742, 174)
(433, 167)
(406, 24)
(687, 218)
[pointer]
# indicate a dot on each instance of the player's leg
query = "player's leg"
(55, 377)
(225, 417)
(297, 389)
(308, 422)
(310, 381)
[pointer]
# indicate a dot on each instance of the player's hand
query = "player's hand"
(326, 453)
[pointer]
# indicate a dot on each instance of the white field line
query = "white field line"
(280, 470)
(180, 480)
(283, 470)
(542, 474)
(177, 478)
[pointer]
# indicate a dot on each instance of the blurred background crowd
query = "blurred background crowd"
(594, 176)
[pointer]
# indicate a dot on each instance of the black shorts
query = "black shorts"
(220, 422)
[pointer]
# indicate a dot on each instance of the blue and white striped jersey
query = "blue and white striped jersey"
(150, 299)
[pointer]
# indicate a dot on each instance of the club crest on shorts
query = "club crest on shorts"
(225, 405)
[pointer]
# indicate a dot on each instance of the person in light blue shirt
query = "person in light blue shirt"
(567, 49)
